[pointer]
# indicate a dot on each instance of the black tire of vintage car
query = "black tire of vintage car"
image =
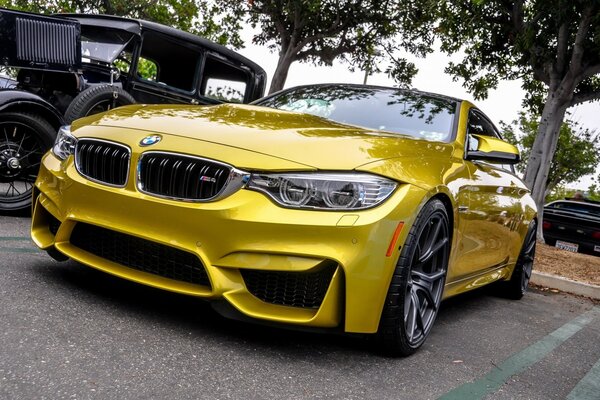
(97, 99)
(24, 138)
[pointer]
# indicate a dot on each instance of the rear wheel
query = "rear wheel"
(415, 293)
(519, 281)
(24, 138)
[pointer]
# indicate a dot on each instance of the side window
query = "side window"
(222, 81)
(479, 125)
(165, 62)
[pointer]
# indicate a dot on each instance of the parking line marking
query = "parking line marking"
(520, 361)
(589, 387)
(7, 238)
(18, 250)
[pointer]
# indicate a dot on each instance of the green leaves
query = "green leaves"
(363, 33)
(196, 16)
(577, 152)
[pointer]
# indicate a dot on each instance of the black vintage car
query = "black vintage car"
(573, 225)
(60, 68)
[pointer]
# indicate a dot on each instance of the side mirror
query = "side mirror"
(491, 149)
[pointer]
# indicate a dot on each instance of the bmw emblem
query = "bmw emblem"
(150, 140)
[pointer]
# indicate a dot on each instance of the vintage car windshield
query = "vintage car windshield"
(102, 44)
(393, 110)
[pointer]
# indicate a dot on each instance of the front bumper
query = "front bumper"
(242, 232)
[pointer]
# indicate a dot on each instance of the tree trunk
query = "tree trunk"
(281, 72)
(543, 149)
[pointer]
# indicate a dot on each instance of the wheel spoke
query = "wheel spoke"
(432, 251)
(530, 246)
(418, 312)
(428, 277)
(427, 289)
(410, 329)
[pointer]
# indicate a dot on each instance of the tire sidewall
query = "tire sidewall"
(84, 101)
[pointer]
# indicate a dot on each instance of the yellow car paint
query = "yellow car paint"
(490, 207)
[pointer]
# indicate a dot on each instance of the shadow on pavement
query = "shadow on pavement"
(186, 313)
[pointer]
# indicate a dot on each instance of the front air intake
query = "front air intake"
(305, 289)
(140, 254)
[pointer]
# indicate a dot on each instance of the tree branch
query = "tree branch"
(561, 48)
(585, 97)
(590, 71)
(582, 31)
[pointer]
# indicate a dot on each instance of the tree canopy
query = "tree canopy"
(552, 45)
(195, 16)
(360, 32)
(577, 152)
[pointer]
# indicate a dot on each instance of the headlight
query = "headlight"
(64, 145)
(333, 191)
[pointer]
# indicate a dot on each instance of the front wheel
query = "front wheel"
(24, 138)
(415, 292)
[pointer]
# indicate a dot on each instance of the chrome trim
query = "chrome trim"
(237, 178)
(77, 161)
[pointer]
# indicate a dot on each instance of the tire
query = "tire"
(97, 99)
(516, 287)
(417, 283)
(24, 138)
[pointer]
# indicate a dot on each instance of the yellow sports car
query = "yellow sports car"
(347, 207)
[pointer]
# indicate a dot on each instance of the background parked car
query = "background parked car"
(69, 66)
(573, 225)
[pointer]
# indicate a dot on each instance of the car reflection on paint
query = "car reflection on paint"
(342, 207)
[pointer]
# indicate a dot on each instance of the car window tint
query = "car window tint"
(409, 113)
(479, 125)
(167, 62)
(223, 81)
(579, 207)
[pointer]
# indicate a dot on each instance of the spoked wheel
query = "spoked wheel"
(519, 281)
(24, 138)
(417, 285)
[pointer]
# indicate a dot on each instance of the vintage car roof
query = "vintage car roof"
(137, 25)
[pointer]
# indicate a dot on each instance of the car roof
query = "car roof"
(137, 25)
(591, 203)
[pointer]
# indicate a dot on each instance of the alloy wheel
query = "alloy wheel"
(426, 278)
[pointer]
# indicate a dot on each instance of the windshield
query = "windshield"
(393, 110)
(102, 44)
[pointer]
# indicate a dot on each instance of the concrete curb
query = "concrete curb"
(565, 285)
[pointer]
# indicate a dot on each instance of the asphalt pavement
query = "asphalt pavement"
(69, 331)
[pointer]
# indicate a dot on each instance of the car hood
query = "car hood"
(304, 139)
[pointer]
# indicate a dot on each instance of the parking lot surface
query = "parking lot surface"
(69, 331)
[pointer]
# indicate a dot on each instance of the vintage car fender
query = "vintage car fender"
(21, 101)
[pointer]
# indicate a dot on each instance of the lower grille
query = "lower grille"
(296, 289)
(140, 254)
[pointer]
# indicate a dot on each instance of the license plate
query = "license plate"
(567, 246)
(597, 248)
